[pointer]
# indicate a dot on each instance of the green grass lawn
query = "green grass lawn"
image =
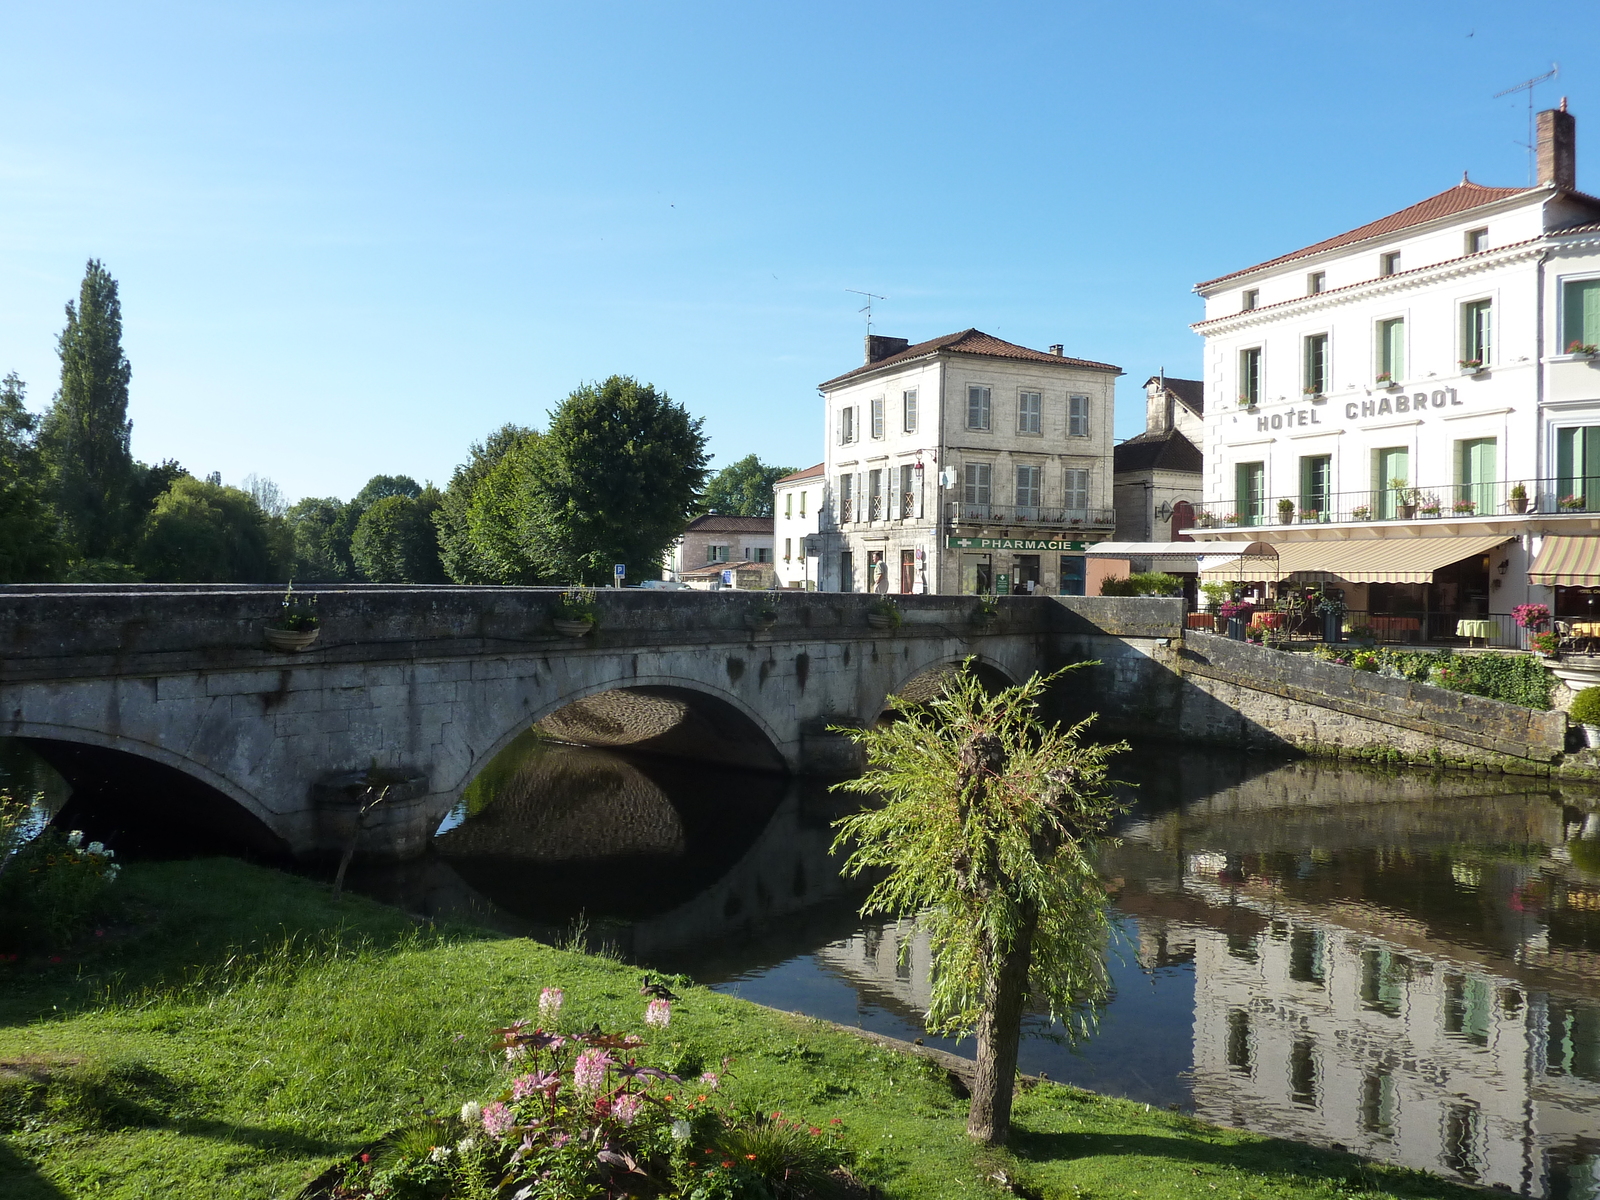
(234, 1032)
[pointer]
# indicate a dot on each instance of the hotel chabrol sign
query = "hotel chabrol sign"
(1416, 405)
(974, 543)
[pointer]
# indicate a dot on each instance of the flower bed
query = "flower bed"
(1512, 678)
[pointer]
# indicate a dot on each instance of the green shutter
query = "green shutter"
(1581, 321)
(1391, 463)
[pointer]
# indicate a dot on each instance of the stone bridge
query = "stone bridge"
(173, 688)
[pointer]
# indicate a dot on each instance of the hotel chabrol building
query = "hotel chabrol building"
(1411, 410)
(965, 464)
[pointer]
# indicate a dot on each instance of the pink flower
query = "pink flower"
(497, 1118)
(658, 1012)
(626, 1107)
(550, 1003)
(711, 1080)
(589, 1072)
(534, 1083)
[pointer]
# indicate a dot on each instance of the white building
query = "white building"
(965, 464)
(797, 506)
(1412, 408)
(717, 540)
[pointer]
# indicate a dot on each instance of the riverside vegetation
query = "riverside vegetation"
(224, 1029)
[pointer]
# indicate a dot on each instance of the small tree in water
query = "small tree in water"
(988, 828)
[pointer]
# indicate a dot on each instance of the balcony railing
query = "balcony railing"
(1541, 497)
(1035, 516)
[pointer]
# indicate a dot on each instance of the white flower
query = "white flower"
(466, 1144)
(111, 872)
(97, 847)
(680, 1131)
(75, 838)
(471, 1112)
(439, 1153)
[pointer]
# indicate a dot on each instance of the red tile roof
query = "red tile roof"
(717, 568)
(717, 523)
(1464, 196)
(972, 341)
(808, 473)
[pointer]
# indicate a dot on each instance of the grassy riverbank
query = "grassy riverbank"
(236, 1031)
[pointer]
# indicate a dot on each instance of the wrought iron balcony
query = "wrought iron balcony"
(1029, 516)
(1458, 501)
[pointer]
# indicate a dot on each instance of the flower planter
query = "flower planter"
(570, 628)
(760, 622)
(1471, 370)
(1591, 736)
(1332, 627)
(1519, 504)
(1236, 628)
(292, 641)
(879, 621)
(1405, 512)
(985, 622)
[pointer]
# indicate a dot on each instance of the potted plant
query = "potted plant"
(1237, 614)
(1572, 503)
(1405, 499)
(1464, 508)
(297, 627)
(1470, 366)
(1429, 506)
(1310, 516)
(1545, 644)
(1531, 616)
(1231, 519)
(1286, 511)
(1361, 512)
(762, 617)
(1204, 520)
(1585, 711)
(1311, 393)
(1245, 401)
(574, 612)
(1332, 611)
(884, 614)
(1582, 349)
(1519, 498)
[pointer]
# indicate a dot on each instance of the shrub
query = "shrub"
(50, 889)
(1512, 678)
(1143, 583)
(1585, 708)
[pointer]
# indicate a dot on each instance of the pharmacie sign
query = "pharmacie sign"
(1416, 404)
(972, 543)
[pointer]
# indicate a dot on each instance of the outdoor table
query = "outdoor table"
(1267, 620)
(1472, 630)
(1392, 625)
(1586, 629)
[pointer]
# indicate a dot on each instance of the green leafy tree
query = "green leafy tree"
(85, 433)
(31, 547)
(464, 561)
(380, 487)
(500, 519)
(615, 478)
(320, 532)
(202, 532)
(396, 541)
(987, 833)
(744, 488)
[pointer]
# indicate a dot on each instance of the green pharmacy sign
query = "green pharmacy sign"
(974, 543)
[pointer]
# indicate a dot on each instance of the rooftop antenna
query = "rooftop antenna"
(867, 307)
(1528, 85)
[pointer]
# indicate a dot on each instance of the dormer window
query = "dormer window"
(1251, 296)
(1389, 263)
(1316, 282)
(1477, 241)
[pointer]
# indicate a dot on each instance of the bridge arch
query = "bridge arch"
(993, 673)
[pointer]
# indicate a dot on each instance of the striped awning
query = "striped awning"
(1567, 562)
(1376, 560)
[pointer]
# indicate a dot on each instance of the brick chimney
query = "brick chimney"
(1558, 148)
(1056, 349)
(880, 348)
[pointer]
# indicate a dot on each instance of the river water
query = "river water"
(1406, 965)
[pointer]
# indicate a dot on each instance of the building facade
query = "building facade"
(797, 502)
(1158, 476)
(715, 540)
(965, 464)
(1408, 409)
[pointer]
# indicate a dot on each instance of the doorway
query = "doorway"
(1025, 574)
(908, 572)
(977, 575)
(1074, 575)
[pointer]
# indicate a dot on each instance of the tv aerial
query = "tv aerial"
(867, 307)
(1528, 85)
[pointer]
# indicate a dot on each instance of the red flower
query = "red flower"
(813, 1131)
(727, 1163)
(833, 1121)
(366, 1158)
(751, 1157)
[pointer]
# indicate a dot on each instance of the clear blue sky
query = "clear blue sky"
(353, 238)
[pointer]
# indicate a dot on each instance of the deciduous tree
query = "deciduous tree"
(202, 532)
(321, 533)
(615, 478)
(31, 547)
(744, 488)
(464, 559)
(396, 542)
(987, 831)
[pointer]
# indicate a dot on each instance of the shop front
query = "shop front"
(1019, 566)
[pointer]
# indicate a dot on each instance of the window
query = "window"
(716, 554)
(1391, 475)
(874, 495)
(1389, 264)
(847, 571)
(1477, 241)
(1250, 492)
(1316, 483)
(908, 492)
(846, 500)
(1078, 416)
(1028, 489)
(1250, 377)
(877, 417)
(1578, 466)
(1475, 333)
(1316, 365)
(977, 407)
(786, 547)
(788, 505)
(1030, 413)
(1316, 282)
(977, 484)
(1249, 299)
(908, 571)
(847, 426)
(802, 504)
(761, 554)
(1475, 477)
(908, 408)
(1580, 314)
(1392, 350)
(1077, 493)
(1074, 575)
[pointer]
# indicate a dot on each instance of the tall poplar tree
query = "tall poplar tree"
(85, 435)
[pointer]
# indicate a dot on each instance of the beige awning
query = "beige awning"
(1567, 562)
(1374, 560)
